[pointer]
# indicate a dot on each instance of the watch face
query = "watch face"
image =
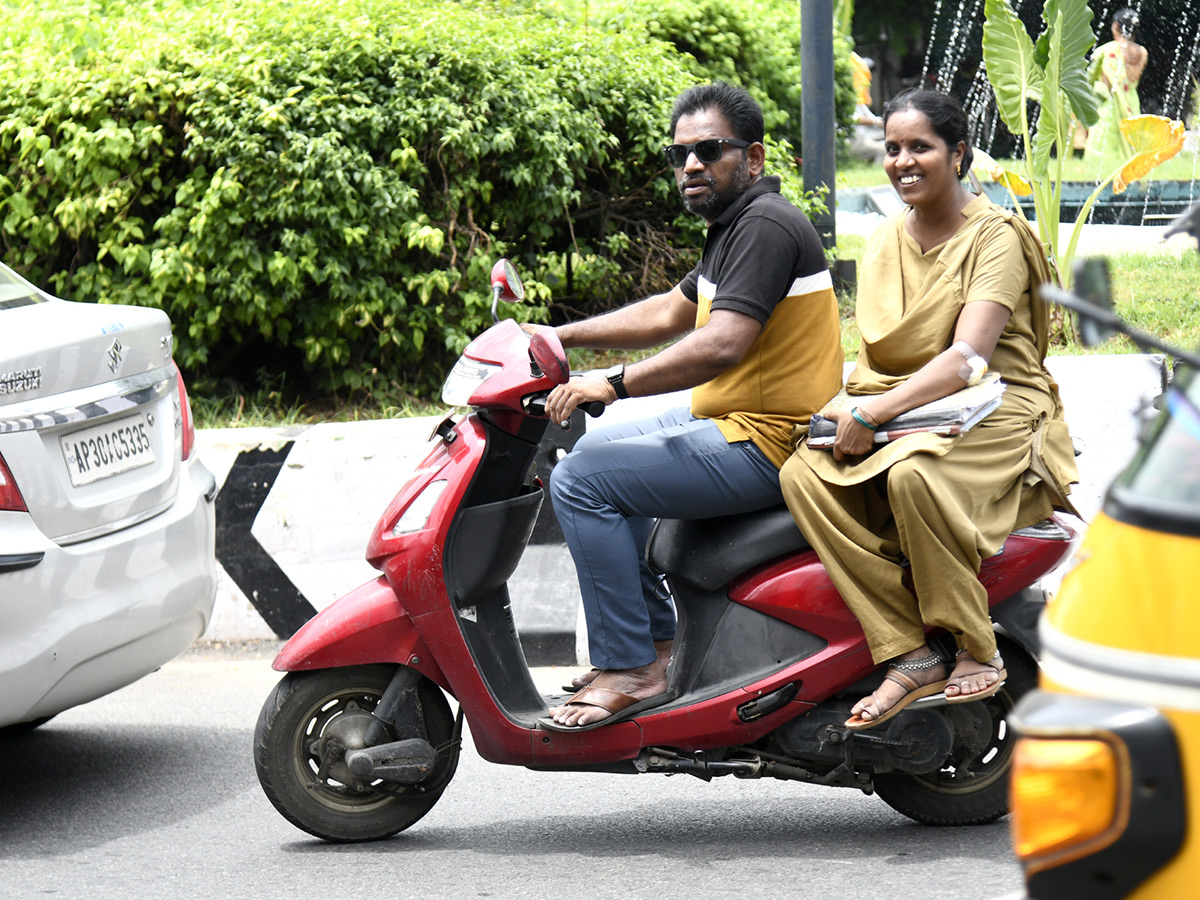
(616, 377)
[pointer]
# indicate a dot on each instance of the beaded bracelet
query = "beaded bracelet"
(860, 420)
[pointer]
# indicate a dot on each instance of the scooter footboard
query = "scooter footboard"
(367, 625)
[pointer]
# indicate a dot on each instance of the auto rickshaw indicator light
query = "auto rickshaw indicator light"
(1067, 796)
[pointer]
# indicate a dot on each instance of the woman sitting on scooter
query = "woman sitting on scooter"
(945, 292)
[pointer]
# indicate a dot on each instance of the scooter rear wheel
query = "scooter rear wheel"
(315, 790)
(971, 788)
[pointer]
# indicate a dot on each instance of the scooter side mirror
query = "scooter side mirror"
(506, 282)
(548, 354)
(1092, 286)
(1097, 321)
(1188, 222)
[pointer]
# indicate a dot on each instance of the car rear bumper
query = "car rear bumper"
(88, 618)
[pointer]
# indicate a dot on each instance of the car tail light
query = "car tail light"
(1069, 797)
(10, 496)
(185, 414)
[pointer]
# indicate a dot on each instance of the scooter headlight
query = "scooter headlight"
(417, 515)
(464, 379)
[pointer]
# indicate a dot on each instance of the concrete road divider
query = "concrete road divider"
(297, 504)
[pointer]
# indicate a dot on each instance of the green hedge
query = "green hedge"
(324, 186)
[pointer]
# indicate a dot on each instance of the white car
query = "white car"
(107, 527)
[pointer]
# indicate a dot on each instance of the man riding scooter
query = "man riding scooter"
(761, 284)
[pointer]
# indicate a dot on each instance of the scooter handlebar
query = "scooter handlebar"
(535, 405)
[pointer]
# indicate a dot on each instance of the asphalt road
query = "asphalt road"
(151, 793)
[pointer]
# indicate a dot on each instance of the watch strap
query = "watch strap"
(616, 377)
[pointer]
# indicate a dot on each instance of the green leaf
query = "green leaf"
(1054, 120)
(1009, 56)
(1076, 40)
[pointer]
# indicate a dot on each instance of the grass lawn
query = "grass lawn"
(1157, 293)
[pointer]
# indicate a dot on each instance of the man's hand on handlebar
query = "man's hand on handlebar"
(579, 391)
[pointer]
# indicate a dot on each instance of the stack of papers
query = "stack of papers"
(953, 414)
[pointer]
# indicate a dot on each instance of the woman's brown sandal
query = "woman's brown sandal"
(898, 673)
(959, 682)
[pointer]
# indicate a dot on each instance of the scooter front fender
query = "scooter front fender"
(367, 625)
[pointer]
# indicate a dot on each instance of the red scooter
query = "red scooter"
(358, 741)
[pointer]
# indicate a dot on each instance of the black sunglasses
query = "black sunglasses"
(709, 151)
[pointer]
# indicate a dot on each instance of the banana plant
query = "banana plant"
(843, 17)
(1052, 72)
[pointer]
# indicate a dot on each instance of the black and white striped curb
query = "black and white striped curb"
(296, 507)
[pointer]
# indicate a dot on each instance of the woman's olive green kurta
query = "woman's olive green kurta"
(942, 503)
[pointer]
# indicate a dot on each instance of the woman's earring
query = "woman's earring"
(960, 170)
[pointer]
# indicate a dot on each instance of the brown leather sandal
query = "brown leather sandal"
(897, 673)
(989, 691)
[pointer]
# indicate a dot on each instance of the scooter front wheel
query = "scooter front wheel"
(308, 722)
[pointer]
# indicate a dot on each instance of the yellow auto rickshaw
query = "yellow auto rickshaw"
(1105, 789)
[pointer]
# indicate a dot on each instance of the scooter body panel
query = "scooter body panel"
(1022, 561)
(714, 723)
(372, 624)
(448, 467)
(500, 344)
(797, 590)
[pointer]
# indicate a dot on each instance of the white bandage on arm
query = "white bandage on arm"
(974, 365)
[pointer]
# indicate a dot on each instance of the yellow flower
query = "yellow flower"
(1154, 140)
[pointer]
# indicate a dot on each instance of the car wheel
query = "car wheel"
(23, 727)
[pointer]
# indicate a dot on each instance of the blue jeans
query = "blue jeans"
(608, 491)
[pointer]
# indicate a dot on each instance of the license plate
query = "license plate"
(109, 449)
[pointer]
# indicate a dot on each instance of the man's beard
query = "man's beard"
(710, 206)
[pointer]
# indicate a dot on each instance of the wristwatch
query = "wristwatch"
(616, 377)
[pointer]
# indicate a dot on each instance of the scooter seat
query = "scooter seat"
(709, 553)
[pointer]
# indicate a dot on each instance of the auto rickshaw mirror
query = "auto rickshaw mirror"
(1093, 286)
